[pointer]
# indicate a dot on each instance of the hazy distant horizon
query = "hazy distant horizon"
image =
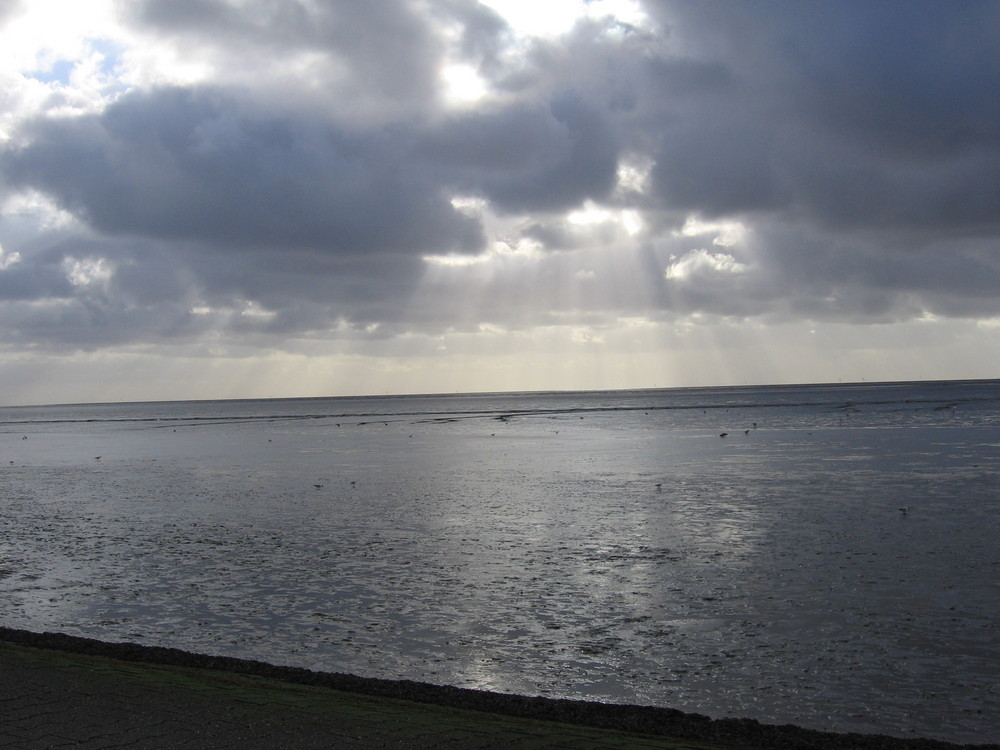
(551, 391)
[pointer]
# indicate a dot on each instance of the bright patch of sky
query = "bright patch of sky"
(463, 85)
(87, 271)
(725, 233)
(557, 17)
(702, 261)
(8, 259)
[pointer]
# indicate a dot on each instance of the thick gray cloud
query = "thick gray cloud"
(548, 156)
(21, 283)
(192, 165)
(298, 188)
(878, 113)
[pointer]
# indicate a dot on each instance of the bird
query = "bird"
(723, 434)
(905, 509)
(318, 486)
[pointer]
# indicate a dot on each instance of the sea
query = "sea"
(820, 555)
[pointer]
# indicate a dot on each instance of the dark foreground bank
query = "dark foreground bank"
(639, 720)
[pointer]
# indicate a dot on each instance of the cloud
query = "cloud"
(542, 156)
(874, 115)
(261, 174)
(338, 50)
(188, 164)
(8, 8)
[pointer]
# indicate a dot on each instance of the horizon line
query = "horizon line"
(544, 391)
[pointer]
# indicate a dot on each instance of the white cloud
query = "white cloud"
(8, 259)
(43, 33)
(83, 272)
(723, 233)
(540, 19)
(701, 263)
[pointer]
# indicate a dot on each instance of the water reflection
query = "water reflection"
(626, 556)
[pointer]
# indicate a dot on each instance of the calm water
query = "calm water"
(607, 546)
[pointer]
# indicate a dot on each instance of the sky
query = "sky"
(208, 199)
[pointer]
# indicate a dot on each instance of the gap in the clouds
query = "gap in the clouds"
(463, 86)
(59, 72)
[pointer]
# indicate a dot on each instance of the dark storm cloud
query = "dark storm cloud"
(358, 289)
(20, 282)
(545, 156)
(482, 31)
(191, 164)
(874, 113)
(859, 276)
